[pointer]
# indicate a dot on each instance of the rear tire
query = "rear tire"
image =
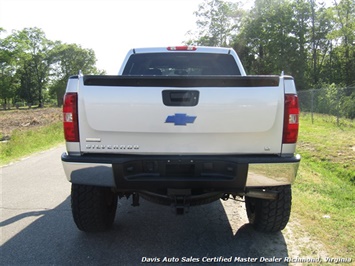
(270, 215)
(93, 208)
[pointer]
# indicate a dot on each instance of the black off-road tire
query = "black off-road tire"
(270, 215)
(93, 208)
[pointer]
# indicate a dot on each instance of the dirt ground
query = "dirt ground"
(24, 119)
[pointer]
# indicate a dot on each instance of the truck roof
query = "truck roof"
(184, 48)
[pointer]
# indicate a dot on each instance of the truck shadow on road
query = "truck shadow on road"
(140, 234)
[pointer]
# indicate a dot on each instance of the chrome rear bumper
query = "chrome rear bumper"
(272, 174)
(110, 171)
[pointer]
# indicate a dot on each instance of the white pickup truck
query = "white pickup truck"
(181, 126)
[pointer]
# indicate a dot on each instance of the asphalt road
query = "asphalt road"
(37, 226)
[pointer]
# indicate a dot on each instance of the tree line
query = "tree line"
(312, 42)
(35, 70)
(303, 38)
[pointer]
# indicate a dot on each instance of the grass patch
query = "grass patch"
(23, 143)
(323, 194)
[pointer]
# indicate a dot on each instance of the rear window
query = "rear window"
(177, 64)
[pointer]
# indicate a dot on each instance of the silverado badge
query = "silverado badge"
(180, 119)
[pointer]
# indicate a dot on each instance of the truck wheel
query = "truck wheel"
(270, 215)
(93, 208)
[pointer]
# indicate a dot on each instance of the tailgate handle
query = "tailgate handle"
(180, 97)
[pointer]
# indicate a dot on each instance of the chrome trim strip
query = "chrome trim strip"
(93, 140)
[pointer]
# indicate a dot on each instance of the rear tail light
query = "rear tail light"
(70, 117)
(182, 48)
(291, 123)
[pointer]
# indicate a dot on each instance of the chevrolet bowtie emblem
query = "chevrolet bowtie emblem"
(180, 119)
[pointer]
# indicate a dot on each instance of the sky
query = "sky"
(109, 27)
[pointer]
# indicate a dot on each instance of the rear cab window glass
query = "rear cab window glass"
(181, 64)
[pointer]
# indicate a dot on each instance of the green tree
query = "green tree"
(217, 22)
(319, 45)
(343, 37)
(33, 67)
(68, 60)
(301, 16)
(33, 53)
(268, 33)
(7, 71)
(28, 85)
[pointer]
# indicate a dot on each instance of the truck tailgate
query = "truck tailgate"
(215, 115)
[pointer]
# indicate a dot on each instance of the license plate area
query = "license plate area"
(180, 169)
(176, 169)
(180, 173)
